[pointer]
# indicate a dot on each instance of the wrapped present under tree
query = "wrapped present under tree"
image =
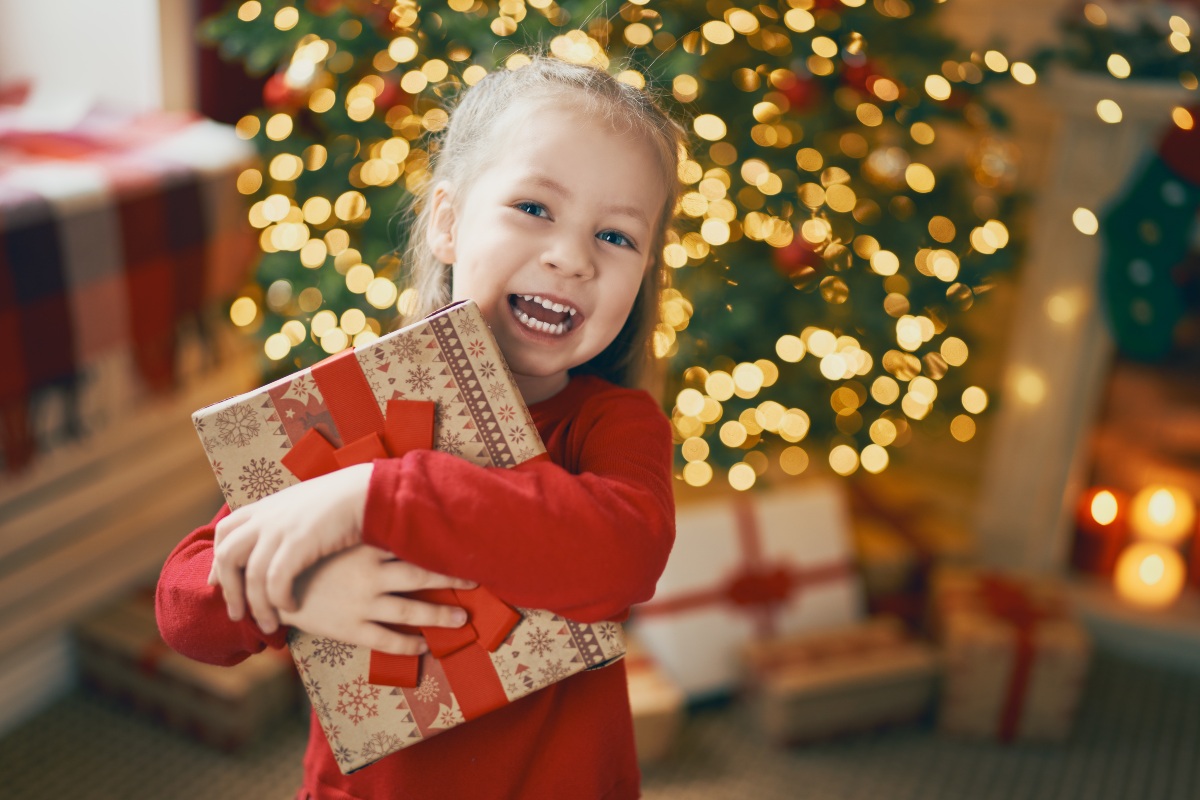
(853, 678)
(1016, 659)
(746, 568)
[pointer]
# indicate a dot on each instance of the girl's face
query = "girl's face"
(552, 240)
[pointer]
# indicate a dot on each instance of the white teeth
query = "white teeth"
(557, 329)
(547, 304)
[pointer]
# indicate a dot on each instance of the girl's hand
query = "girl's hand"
(348, 597)
(276, 538)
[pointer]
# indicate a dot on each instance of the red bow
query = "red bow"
(369, 434)
(757, 587)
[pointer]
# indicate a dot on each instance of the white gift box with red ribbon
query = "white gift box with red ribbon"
(749, 567)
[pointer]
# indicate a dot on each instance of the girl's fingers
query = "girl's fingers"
(404, 576)
(256, 588)
(385, 640)
(405, 611)
(228, 561)
(289, 562)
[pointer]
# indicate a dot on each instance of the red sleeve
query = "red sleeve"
(191, 614)
(586, 542)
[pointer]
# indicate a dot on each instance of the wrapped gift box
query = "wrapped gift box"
(747, 567)
(656, 702)
(121, 654)
(441, 382)
(817, 685)
(1015, 657)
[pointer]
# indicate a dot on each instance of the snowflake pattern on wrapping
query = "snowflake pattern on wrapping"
(506, 413)
(332, 652)
(341, 752)
(237, 425)
(218, 469)
(260, 478)
(451, 442)
(476, 348)
(420, 379)
(358, 700)
(320, 705)
(380, 744)
(405, 348)
(487, 370)
(301, 386)
(608, 633)
(467, 326)
(448, 717)
(428, 690)
(495, 391)
(517, 433)
(553, 671)
(539, 642)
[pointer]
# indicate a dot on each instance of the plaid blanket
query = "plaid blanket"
(112, 234)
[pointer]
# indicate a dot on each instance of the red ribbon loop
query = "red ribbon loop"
(367, 435)
(759, 587)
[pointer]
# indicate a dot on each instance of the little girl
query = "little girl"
(551, 194)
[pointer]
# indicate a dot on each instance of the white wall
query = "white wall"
(108, 51)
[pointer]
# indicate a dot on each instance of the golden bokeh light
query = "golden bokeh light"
(1149, 574)
(843, 459)
(742, 476)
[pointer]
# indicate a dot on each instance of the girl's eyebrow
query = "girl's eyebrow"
(547, 182)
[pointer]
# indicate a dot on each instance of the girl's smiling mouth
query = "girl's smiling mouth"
(544, 315)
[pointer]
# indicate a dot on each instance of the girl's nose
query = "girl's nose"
(570, 255)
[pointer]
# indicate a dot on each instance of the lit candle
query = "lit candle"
(1164, 514)
(1149, 574)
(1101, 521)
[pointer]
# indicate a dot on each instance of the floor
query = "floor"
(1138, 738)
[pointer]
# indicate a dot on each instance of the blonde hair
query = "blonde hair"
(465, 148)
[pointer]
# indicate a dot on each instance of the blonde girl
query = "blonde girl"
(552, 191)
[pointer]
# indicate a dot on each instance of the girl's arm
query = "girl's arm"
(191, 614)
(350, 596)
(585, 545)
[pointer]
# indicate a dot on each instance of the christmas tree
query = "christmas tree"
(846, 201)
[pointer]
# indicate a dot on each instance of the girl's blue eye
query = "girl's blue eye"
(615, 237)
(536, 209)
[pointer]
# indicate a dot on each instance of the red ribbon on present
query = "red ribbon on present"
(368, 434)
(757, 587)
(1010, 601)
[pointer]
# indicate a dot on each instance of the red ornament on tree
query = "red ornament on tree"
(323, 8)
(803, 92)
(798, 261)
(391, 95)
(278, 95)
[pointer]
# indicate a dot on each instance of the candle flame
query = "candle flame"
(1104, 507)
(1162, 506)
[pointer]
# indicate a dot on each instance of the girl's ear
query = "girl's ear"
(441, 223)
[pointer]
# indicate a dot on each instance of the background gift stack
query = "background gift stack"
(122, 654)
(747, 567)
(854, 678)
(1015, 657)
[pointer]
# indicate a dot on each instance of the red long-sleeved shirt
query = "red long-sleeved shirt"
(585, 535)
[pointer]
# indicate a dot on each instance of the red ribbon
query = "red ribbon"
(757, 587)
(368, 434)
(1009, 600)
